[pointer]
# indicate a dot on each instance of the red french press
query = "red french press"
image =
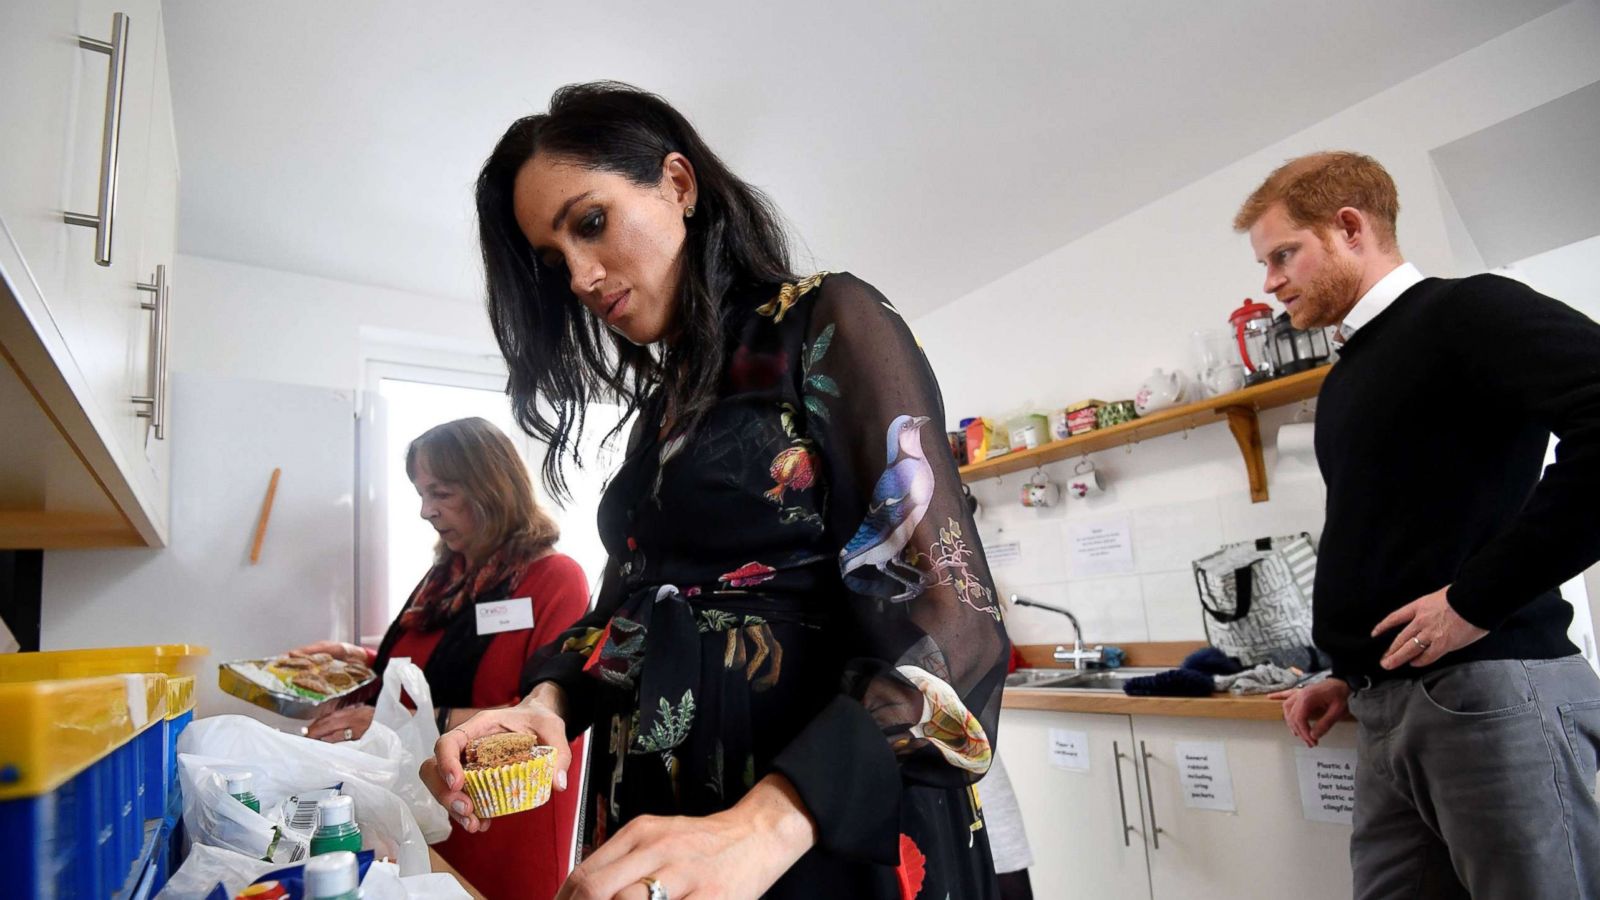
(1252, 329)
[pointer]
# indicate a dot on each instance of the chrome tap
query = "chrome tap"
(1077, 657)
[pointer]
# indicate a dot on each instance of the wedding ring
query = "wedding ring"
(657, 892)
(349, 734)
(1419, 643)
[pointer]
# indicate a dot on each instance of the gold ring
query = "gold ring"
(1419, 643)
(657, 892)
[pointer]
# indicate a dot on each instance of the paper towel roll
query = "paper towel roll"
(1298, 439)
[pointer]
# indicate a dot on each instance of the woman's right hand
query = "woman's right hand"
(339, 650)
(541, 715)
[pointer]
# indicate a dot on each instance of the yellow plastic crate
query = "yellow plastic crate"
(180, 695)
(94, 661)
(56, 729)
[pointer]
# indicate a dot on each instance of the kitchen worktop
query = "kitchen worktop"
(1155, 655)
(1217, 706)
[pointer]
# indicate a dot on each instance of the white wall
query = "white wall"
(1094, 317)
(240, 321)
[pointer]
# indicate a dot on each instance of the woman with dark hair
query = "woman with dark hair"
(496, 545)
(795, 662)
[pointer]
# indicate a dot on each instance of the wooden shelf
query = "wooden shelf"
(1239, 409)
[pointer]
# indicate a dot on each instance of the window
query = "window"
(402, 402)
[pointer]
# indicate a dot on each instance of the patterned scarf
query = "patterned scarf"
(450, 586)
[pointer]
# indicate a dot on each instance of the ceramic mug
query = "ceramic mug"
(1039, 492)
(1085, 481)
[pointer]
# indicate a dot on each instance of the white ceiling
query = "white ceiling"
(1527, 185)
(929, 146)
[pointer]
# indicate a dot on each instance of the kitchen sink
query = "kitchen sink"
(1075, 679)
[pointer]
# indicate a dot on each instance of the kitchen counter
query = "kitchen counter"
(1155, 655)
(1218, 706)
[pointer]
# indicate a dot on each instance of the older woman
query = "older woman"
(795, 663)
(495, 545)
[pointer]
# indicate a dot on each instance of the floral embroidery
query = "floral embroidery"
(583, 643)
(946, 723)
(793, 469)
(749, 575)
(618, 653)
(811, 356)
(750, 370)
(671, 730)
(767, 650)
(950, 557)
(912, 868)
(788, 296)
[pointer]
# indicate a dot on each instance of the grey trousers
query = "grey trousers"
(1479, 781)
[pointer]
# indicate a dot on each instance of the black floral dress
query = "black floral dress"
(797, 587)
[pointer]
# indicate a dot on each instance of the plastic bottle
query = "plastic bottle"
(241, 786)
(333, 876)
(336, 826)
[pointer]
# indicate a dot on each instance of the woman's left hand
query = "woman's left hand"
(732, 855)
(345, 724)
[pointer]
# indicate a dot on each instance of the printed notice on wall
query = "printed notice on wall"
(1069, 749)
(1327, 784)
(1099, 548)
(1003, 554)
(1203, 771)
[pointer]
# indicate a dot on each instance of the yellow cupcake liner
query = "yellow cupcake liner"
(515, 788)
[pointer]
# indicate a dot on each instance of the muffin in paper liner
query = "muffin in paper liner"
(517, 787)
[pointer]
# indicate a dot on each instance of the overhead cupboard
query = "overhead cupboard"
(88, 221)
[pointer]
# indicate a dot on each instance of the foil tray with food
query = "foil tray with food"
(300, 687)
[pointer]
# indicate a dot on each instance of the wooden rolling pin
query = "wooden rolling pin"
(266, 513)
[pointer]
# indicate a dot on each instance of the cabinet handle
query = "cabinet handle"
(110, 137)
(156, 402)
(1155, 830)
(1117, 756)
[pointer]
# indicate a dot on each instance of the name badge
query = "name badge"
(505, 615)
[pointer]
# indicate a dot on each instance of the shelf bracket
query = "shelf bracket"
(1246, 430)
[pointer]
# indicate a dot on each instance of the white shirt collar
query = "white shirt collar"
(1377, 299)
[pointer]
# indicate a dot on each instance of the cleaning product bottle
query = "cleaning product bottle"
(241, 786)
(333, 876)
(336, 826)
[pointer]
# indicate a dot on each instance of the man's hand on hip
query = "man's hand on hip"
(1431, 628)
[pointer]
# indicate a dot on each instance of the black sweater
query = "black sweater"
(1431, 431)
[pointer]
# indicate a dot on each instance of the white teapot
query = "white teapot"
(1161, 390)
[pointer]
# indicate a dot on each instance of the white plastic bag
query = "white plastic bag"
(214, 818)
(284, 764)
(383, 882)
(206, 867)
(417, 733)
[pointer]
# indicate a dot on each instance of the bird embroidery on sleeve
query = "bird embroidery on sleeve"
(872, 562)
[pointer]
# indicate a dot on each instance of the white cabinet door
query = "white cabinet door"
(39, 70)
(75, 328)
(148, 447)
(98, 309)
(1267, 848)
(1084, 827)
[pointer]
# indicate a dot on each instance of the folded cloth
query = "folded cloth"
(1262, 679)
(1212, 661)
(1306, 659)
(1171, 683)
(1113, 657)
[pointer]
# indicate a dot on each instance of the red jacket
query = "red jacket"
(524, 855)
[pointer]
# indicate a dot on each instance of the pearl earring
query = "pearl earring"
(689, 213)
